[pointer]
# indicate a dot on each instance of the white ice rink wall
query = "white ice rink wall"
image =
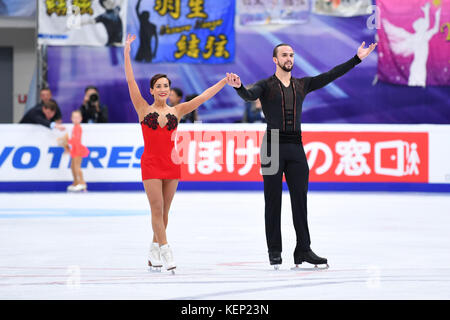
(226, 157)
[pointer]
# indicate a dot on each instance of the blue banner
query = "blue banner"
(17, 8)
(185, 31)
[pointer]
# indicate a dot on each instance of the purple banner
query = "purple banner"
(319, 45)
(414, 42)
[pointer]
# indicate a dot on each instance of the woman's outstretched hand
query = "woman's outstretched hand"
(364, 52)
(130, 39)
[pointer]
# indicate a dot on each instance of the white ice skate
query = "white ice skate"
(81, 187)
(77, 188)
(167, 258)
(154, 257)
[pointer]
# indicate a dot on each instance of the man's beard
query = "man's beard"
(287, 69)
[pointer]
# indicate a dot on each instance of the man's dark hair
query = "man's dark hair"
(51, 104)
(45, 89)
(90, 87)
(156, 77)
(178, 91)
(275, 50)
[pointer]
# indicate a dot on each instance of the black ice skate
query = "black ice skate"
(310, 257)
(275, 259)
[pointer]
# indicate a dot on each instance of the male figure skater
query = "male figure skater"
(282, 97)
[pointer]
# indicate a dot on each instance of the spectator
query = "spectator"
(45, 95)
(43, 114)
(253, 112)
(175, 96)
(92, 110)
(193, 116)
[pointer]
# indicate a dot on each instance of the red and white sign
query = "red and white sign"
(367, 156)
(332, 156)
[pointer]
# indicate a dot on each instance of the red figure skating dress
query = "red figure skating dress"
(77, 149)
(159, 160)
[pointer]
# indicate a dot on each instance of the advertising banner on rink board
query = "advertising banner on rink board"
(231, 153)
(82, 23)
(332, 156)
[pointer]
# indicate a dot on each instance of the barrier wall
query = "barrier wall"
(226, 157)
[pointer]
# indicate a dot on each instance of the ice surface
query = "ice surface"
(94, 246)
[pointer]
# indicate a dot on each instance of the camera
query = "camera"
(93, 98)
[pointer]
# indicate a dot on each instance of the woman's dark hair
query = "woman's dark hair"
(156, 77)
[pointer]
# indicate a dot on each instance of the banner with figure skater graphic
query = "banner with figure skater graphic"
(414, 42)
(82, 22)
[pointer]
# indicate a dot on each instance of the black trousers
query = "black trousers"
(292, 162)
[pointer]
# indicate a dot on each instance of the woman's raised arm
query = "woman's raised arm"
(189, 106)
(139, 103)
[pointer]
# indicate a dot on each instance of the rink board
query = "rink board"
(227, 157)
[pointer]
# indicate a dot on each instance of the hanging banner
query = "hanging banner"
(17, 8)
(257, 12)
(414, 42)
(341, 8)
(82, 22)
(185, 31)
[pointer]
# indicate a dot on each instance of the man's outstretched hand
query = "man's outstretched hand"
(364, 52)
(233, 80)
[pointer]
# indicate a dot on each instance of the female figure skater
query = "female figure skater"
(160, 174)
(77, 153)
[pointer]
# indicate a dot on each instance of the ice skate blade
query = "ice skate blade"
(172, 270)
(276, 267)
(154, 269)
(315, 268)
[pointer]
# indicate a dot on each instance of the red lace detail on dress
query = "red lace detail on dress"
(151, 120)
